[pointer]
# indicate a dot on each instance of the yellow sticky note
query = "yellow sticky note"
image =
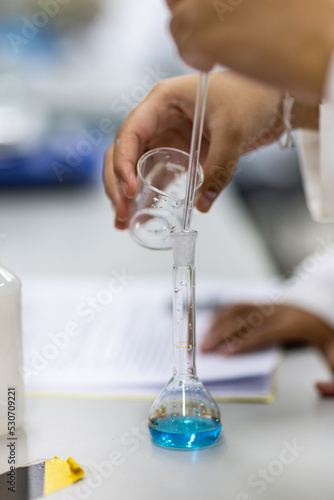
(59, 474)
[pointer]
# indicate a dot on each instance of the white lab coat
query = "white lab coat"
(317, 156)
(312, 286)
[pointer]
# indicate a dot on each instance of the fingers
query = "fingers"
(240, 328)
(121, 158)
(120, 201)
(218, 169)
(233, 122)
(186, 19)
(171, 3)
(120, 178)
(325, 388)
(246, 327)
(328, 351)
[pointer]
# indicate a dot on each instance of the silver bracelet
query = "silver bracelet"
(286, 140)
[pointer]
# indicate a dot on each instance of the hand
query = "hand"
(286, 44)
(241, 115)
(245, 327)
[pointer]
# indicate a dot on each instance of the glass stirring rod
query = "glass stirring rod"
(195, 148)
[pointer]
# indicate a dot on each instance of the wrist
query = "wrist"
(305, 116)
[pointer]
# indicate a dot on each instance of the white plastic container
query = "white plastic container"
(11, 356)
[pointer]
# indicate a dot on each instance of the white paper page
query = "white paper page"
(117, 334)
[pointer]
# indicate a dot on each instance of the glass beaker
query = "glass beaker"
(184, 415)
(158, 206)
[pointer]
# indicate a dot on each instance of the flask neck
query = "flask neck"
(184, 321)
(184, 304)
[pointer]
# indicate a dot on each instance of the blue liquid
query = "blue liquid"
(184, 432)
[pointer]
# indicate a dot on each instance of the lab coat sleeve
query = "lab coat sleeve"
(312, 285)
(316, 152)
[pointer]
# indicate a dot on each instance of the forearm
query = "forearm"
(285, 44)
(298, 65)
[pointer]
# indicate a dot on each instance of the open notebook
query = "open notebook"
(113, 337)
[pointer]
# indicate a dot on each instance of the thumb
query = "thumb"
(220, 163)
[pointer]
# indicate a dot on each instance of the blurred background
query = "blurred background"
(70, 72)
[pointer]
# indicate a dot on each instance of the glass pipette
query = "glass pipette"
(195, 148)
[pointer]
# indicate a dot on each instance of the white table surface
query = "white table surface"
(94, 432)
(71, 232)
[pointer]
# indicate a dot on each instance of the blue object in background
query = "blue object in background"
(48, 165)
(36, 150)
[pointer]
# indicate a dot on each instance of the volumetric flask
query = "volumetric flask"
(184, 415)
(158, 206)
